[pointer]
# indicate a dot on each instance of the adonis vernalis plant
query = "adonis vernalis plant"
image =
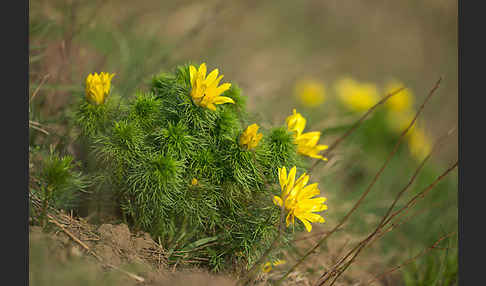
(197, 177)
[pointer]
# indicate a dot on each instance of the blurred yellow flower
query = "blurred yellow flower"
(307, 145)
(98, 87)
(400, 102)
(250, 137)
(295, 123)
(310, 93)
(267, 267)
(399, 121)
(419, 144)
(205, 91)
(297, 198)
(355, 95)
(194, 181)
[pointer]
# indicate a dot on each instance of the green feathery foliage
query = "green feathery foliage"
(58, 182)
(151, 147)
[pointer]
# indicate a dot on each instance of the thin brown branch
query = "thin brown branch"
(358, 203)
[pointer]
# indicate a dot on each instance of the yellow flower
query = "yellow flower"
(356, 96)
(295, 123)
(310, 93)
(306, 142)
(250, 137)
(400, 102)
(205, 90)
(194, 181)
(419, 144)
(267, 267)
(98, 87)
(297, 198)
(307, 145)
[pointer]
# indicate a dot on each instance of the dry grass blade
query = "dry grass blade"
(360, 200)
(37, 126)
(425, 251)
(39, 87)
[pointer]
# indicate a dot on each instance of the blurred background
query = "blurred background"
(330, 60)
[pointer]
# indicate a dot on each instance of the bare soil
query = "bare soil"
(72, 251)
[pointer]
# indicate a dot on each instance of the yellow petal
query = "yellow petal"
(215, 83)
(211, 77)
(192, 74)
(312, 217)
(222, 99)
(308, 192)
(301, 181)
(277, 201)
(202, 71)
(306, 223)
(291, 179)
(222, 88)
(289, 219)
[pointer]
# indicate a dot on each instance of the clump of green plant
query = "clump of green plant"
(58, 183)
(186, 166)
